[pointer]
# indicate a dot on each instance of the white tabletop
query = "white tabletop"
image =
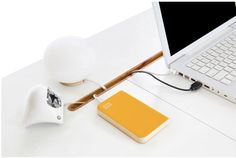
(210, 109)
(202, 128)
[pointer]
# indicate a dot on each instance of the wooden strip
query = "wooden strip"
(89, 97)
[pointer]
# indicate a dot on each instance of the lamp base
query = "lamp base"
(72, 84)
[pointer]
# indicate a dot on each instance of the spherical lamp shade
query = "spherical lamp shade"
(69, 59)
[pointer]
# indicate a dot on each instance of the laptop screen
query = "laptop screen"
(186, 22)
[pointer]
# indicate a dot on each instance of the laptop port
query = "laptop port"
(180, 74)
(193, 80)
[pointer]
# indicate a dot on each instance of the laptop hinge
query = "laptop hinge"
(233, 25)
(176, 59)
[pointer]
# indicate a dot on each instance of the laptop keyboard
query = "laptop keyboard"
(219, 61)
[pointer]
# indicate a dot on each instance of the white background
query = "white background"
(27, 26)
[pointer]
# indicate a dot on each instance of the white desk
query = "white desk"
(202, 105)
(86, 134)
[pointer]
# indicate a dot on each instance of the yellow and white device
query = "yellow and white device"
(133, 117)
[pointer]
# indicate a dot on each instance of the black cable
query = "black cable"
(194, 86)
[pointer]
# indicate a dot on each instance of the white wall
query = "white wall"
(27, 26)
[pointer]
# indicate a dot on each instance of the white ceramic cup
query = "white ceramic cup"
(43, 105)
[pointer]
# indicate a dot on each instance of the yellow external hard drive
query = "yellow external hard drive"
(136, 119)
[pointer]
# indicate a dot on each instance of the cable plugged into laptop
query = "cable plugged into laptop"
(194, 86)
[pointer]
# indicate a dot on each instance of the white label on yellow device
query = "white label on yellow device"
(132, 116)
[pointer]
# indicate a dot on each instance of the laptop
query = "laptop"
(199, 42)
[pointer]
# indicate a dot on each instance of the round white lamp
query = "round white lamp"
(69, 60)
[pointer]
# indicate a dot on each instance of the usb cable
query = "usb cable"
(194, 86)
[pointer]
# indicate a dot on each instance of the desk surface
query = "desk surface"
(208, 108)
(198, 128)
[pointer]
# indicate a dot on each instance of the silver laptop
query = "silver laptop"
(199, 42)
